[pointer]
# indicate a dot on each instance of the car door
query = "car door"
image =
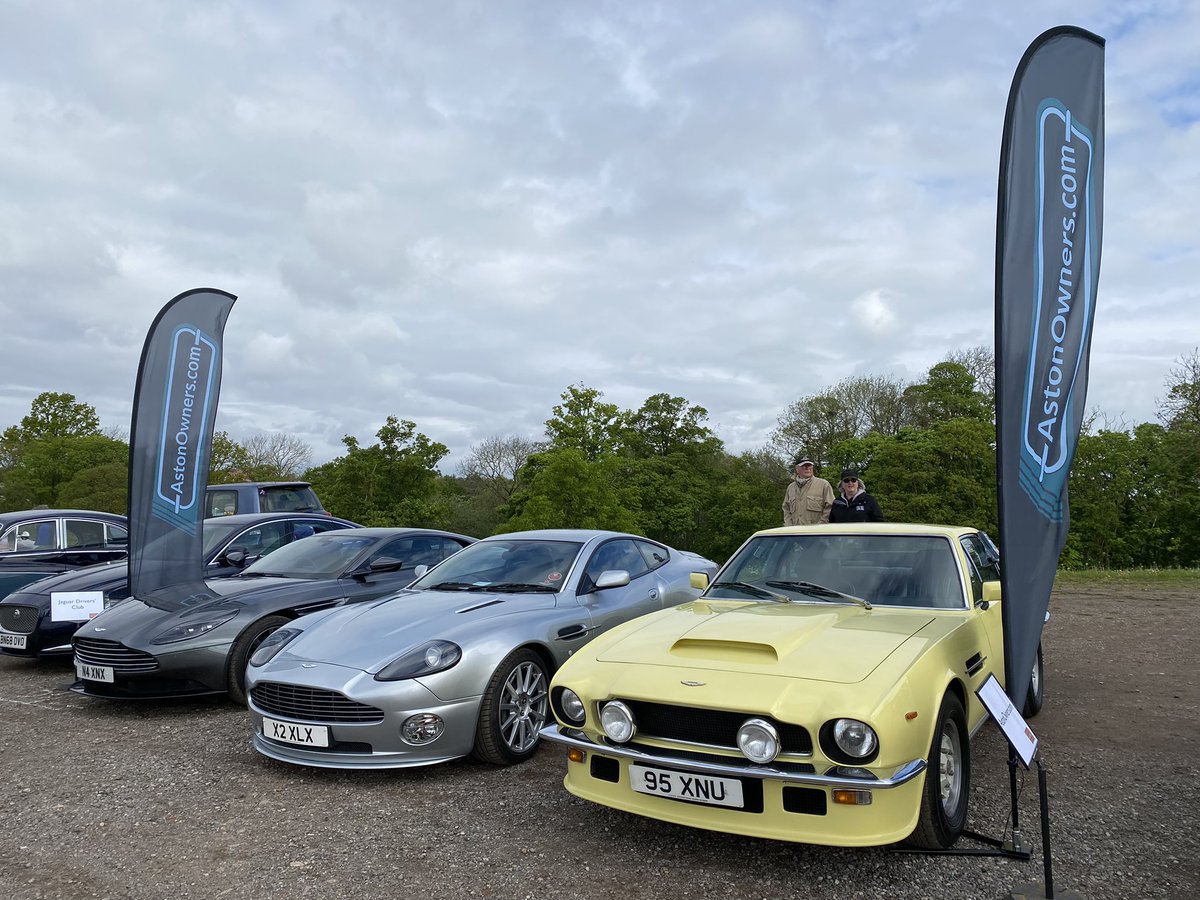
(984, 566)
(614, 605)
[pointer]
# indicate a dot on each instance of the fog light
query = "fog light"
(617, 721)
(852, 798)
(422, 728)
(758, 740)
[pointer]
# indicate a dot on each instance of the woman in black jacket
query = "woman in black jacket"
(853, 503)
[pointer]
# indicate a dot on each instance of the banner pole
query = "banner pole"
(1045, 804)
(1012, 793)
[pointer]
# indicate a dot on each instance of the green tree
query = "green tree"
(562, 488)
(59, 439)
(948, 392)
(390, 483)
(584, 422)
(666, 425)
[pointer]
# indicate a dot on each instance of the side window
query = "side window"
(654, 555)
(222, 503)
(287, 499)
(618, 554)
(39, 535)
(317, 526)
(117, 534)
(981, 557)
(83, 533)
(273, 535)
(393, 550)
(8, 540)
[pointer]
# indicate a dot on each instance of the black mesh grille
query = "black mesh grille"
(311, 704)
(18, 619)
(715, 727)
(118, 657)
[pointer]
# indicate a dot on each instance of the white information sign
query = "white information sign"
(1011, 722)
(75, 606)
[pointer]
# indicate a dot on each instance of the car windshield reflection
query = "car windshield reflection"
(505, 565)
(321, 556)
(886, 570)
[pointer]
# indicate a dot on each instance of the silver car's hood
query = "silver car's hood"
(370, 635)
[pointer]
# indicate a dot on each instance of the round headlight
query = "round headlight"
(855, 738)
(617, 721)
(572, 706)
(422, 728)
(758, 740)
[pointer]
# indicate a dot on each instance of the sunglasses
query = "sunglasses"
(849, 481)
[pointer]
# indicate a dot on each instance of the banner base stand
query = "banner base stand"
(1011, 849)
(1038, 892)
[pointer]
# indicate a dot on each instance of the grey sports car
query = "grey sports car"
(143, 648)
(459, 662)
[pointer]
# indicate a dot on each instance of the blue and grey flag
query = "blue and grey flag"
(1049, 222)
(170, 443)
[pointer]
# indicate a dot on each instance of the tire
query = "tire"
(515, 708)
(1037, 687)
(241, 651)
(947, 788)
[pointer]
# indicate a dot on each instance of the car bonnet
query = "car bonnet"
(370, 635)
(825, 642)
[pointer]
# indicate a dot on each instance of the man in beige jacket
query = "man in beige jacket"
(808, 498)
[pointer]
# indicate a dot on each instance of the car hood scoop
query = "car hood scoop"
(841, 644)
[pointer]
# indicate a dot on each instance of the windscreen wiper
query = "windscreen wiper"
(515, 587)
(747, 588)
(820, 591)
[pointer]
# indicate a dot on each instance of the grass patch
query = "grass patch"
(1181, 578)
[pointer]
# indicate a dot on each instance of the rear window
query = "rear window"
(222, 503)
(287, 498)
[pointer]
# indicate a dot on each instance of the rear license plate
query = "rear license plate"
(291, 733)
(687, 786)
(94, 673)
(15, 641)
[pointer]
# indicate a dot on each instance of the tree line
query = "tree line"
(926, 451)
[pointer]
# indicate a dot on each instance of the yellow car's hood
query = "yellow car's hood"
(824, 642)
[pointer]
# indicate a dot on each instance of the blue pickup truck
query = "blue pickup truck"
(261, 496)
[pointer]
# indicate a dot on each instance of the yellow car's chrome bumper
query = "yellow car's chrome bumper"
(573, 738)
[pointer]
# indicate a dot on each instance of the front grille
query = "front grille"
(118, 657)
(311, 704)
(714, 727)
(18, 619)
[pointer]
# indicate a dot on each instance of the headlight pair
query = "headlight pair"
(849, 741)
(425, 659)
(189, 630)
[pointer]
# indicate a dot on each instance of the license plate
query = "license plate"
(15, 641)
(94, 673)
(291, 733)
(687, 786)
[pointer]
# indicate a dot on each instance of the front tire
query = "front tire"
(1035, 697)
(947, 781)
(514, 710)
(241, 651)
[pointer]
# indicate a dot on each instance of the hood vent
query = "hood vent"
(483, 605)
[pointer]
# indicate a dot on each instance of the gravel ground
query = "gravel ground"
(168, 800)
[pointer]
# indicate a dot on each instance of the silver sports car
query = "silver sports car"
(460, 661)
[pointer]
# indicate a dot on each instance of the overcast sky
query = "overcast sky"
(449, 212)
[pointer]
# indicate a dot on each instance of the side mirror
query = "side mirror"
(419, 571)
(235, 556)
(991, 593)
(611, 578)
(699, 580)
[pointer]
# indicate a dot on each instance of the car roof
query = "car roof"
(564, 534)
(58, 514)
(390, 532)
(252, 518)
(261, 484)
(949, 531)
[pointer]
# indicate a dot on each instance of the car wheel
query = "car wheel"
(241, 651)
(514, 709)
(947, 781)
(1033, 699)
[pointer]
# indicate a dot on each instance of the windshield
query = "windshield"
(505, 565)
(320, 556)
(889, 570)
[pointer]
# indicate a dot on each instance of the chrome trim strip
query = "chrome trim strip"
(670, 744)
(573, 738)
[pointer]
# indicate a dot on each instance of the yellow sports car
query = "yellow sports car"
(822, 690)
